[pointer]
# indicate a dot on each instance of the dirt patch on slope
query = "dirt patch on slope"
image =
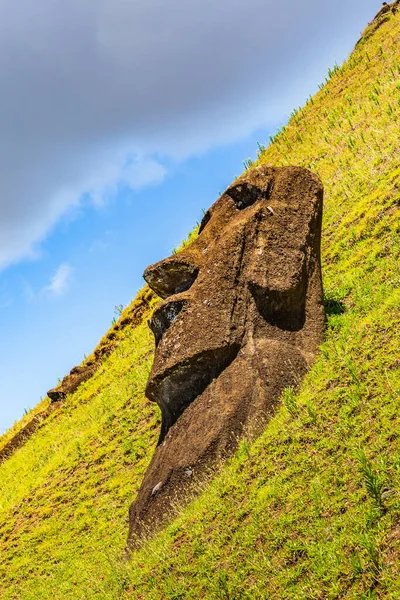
(132, 316)
(383, 15)
(25, 433)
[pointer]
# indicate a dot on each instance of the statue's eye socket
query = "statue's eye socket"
(204, 221)
(245, 194)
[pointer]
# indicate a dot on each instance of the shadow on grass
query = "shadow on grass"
(333, 307)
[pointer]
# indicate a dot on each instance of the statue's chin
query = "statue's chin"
(178, 386)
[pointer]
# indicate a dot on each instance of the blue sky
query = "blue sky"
(120, 122)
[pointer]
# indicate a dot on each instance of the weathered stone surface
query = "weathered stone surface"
(71, 382)
(242, 319)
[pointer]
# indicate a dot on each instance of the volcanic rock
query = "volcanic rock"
(242, 320)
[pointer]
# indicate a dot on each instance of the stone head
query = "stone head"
(252, 273)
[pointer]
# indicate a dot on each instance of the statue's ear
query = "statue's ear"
(279, 287)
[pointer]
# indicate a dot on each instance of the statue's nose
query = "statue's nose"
(170, 276)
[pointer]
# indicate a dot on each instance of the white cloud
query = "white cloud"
(88, 84)
(139, 172)
(60, 281)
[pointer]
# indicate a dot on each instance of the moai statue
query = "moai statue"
(242, 319)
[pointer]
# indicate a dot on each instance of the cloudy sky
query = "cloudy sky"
(120, 120)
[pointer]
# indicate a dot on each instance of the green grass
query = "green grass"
(309, 510)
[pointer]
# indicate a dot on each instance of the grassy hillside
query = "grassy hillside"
(310, 510)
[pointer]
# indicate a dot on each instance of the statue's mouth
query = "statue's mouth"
(179, 385)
